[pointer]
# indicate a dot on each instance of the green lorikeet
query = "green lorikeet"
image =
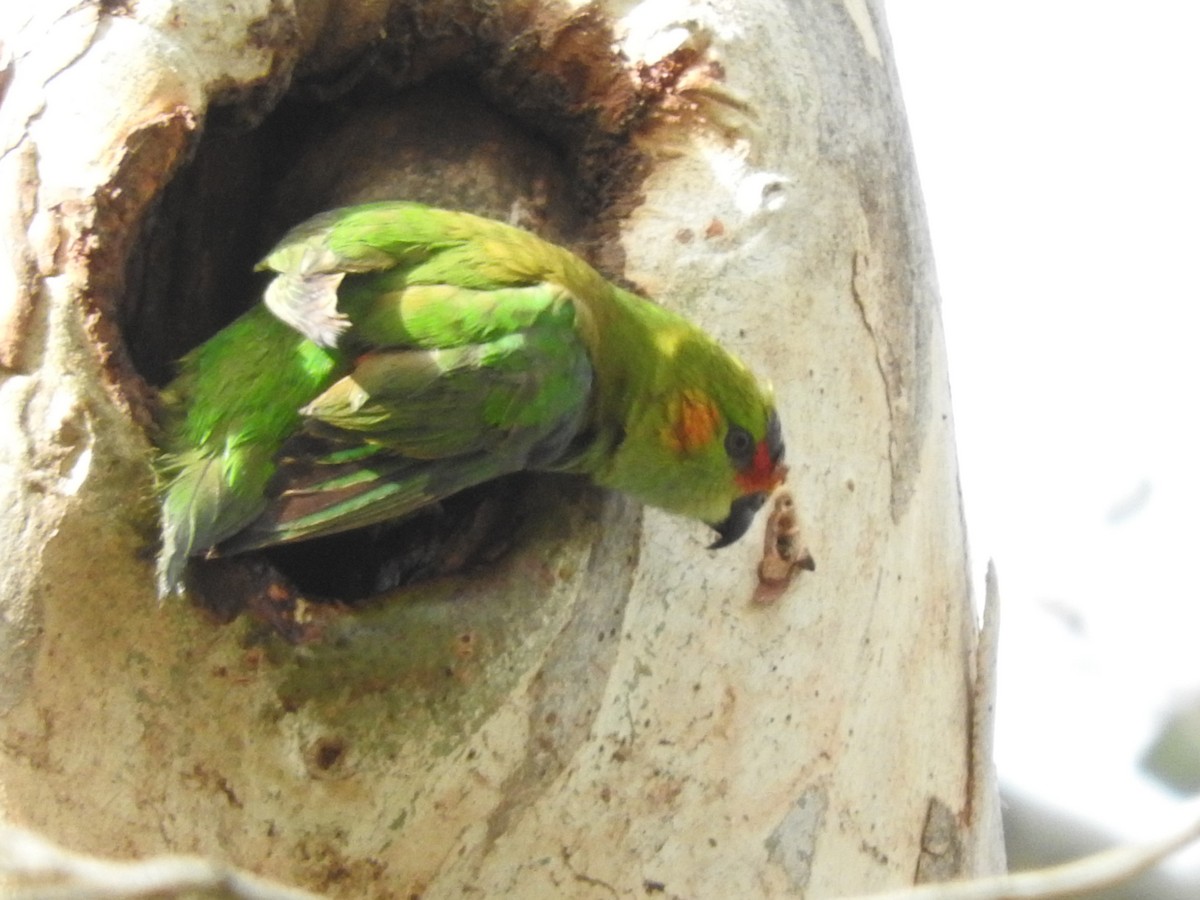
(404, 353)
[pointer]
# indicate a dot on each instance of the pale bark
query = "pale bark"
(606, 709)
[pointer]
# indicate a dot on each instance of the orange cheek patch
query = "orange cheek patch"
(691, 422)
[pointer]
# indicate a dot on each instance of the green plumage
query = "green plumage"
(405, 353)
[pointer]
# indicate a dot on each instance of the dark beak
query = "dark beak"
(741, 514)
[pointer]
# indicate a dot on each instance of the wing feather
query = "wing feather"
(450, 354)
(409, 426)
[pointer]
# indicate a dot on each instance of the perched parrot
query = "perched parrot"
(404, 353)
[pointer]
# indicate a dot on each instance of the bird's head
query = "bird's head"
(708, 442)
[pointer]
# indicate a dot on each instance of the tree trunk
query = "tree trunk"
(607, 707)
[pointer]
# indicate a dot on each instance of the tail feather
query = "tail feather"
(200, 508)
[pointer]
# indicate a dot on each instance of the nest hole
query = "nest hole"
(541, 156)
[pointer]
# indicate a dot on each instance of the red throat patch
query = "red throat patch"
(762, 475)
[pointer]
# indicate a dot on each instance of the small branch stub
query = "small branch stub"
(784, 553)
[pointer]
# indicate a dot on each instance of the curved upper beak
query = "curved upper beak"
(741, 514)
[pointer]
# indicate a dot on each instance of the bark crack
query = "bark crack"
(857, 269)
(583, 877)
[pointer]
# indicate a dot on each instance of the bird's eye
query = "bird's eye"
(740, 446)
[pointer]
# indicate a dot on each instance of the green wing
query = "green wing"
(459, 386)
(409, 353)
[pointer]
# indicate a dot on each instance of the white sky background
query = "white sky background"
(1058, 144)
